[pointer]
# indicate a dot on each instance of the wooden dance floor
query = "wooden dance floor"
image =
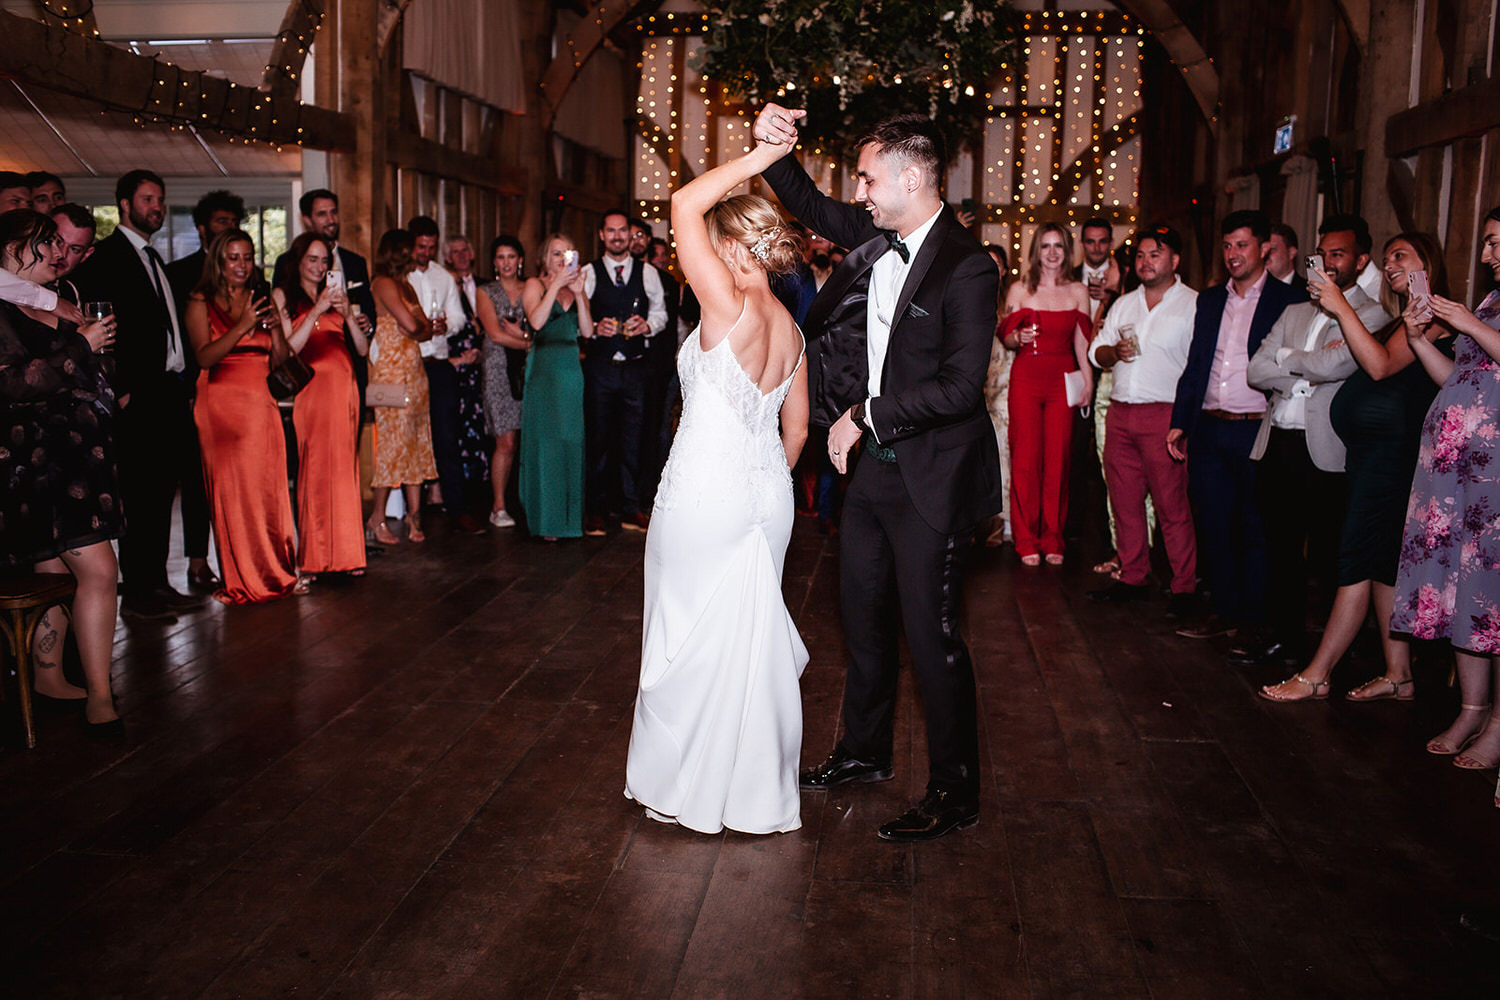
(410, 786)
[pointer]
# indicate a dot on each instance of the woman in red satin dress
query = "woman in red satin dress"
(1046, 323)
(330, 518)
(236, 336)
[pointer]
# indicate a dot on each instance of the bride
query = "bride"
(718, 720)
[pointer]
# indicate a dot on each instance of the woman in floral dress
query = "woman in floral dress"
(1449, 582)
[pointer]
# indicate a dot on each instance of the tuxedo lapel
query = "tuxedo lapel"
(857, 263)
(919, 267)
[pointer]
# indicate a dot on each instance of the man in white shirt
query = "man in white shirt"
(1299, 477)
(1145, 343)
(629, 309)
(438, 294)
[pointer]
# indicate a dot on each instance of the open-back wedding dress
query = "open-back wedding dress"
(718, 720)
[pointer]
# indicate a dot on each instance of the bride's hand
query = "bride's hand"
(777, 126)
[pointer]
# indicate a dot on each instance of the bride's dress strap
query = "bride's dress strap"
(745, 304)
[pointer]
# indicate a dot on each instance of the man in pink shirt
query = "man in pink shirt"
(1215, 419)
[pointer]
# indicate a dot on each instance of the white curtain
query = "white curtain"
(1299, 207)
(1244, 192)
(472, 46)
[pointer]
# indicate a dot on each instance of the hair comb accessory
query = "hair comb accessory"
(762, 246)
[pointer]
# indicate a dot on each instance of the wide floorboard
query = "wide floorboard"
(410, 786)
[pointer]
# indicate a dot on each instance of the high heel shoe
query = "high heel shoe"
(378, 534)
(1441, 749)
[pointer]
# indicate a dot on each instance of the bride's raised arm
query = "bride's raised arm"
(712, 283)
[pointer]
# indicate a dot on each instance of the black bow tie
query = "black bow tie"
(899, 247)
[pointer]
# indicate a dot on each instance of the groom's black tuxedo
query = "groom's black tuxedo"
(905, 522)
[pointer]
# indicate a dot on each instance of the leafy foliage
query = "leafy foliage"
(852, 63)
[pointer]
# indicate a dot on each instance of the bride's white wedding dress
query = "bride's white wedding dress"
(718, 720)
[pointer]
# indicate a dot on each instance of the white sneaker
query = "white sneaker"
(501, 519)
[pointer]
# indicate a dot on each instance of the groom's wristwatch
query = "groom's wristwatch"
(857, 415)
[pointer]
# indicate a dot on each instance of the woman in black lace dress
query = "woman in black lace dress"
(59, 491)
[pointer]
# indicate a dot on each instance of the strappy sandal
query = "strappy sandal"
(1032, 560)
(303, 585)
(1110, 566)
(1054, 558)
(414, 529)
(1316, 690)
(1392, 689)
(379, 534)
(1441, 749)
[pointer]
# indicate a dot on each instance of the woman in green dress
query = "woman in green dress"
(551, 475)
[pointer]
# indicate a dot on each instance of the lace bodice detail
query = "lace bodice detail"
(728, 445)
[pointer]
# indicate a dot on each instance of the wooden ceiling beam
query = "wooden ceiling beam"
(293, 41)
(599, 20)
(53, 57)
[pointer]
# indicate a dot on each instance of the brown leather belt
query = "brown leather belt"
(1226, 415)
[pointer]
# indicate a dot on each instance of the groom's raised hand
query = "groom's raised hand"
(776, 125)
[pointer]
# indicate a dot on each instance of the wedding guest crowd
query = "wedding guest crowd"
(1271, 431)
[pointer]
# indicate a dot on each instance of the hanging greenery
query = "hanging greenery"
(851, 63)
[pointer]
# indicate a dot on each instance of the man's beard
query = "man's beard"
(141, 223)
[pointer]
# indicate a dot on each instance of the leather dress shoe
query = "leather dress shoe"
(938, 813)
(1118, 592)
(1210, 628)
(146, 608)
(175, 602)
(1263, 649)
(1181, 607)
(203, 581)
(842, 767)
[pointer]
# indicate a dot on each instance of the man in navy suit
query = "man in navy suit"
(900, 339)
(1215, 420)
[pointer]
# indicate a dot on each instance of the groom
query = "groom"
(899, 344)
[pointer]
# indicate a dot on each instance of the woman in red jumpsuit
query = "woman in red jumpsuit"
(1046, 322)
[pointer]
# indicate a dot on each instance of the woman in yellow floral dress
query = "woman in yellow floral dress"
(403, 434)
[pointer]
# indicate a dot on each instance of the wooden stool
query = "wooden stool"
(22, 601)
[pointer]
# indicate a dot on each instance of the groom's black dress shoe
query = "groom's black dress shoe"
(937, 814)
(842, 766)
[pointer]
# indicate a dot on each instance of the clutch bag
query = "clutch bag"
(1075, 386)
(386, 394)
(288, 378)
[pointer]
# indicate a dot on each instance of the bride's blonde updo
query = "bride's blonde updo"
(754, 224)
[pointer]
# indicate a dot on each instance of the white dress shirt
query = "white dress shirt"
(1164, 335)
(656, 299)
(1289, 413)
(887, 279)
(435, 284)
(176, 360)
(1369, 280)
(26, 293)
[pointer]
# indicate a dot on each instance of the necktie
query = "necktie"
(157, 268)
(619, 275)
(899, 247)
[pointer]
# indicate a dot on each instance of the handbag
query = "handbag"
(1073, 384)
(288, 378)
(391, 394)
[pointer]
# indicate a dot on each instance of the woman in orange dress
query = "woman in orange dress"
(330, 521)
(236, 337)
(1047, 324)
(403, 434)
